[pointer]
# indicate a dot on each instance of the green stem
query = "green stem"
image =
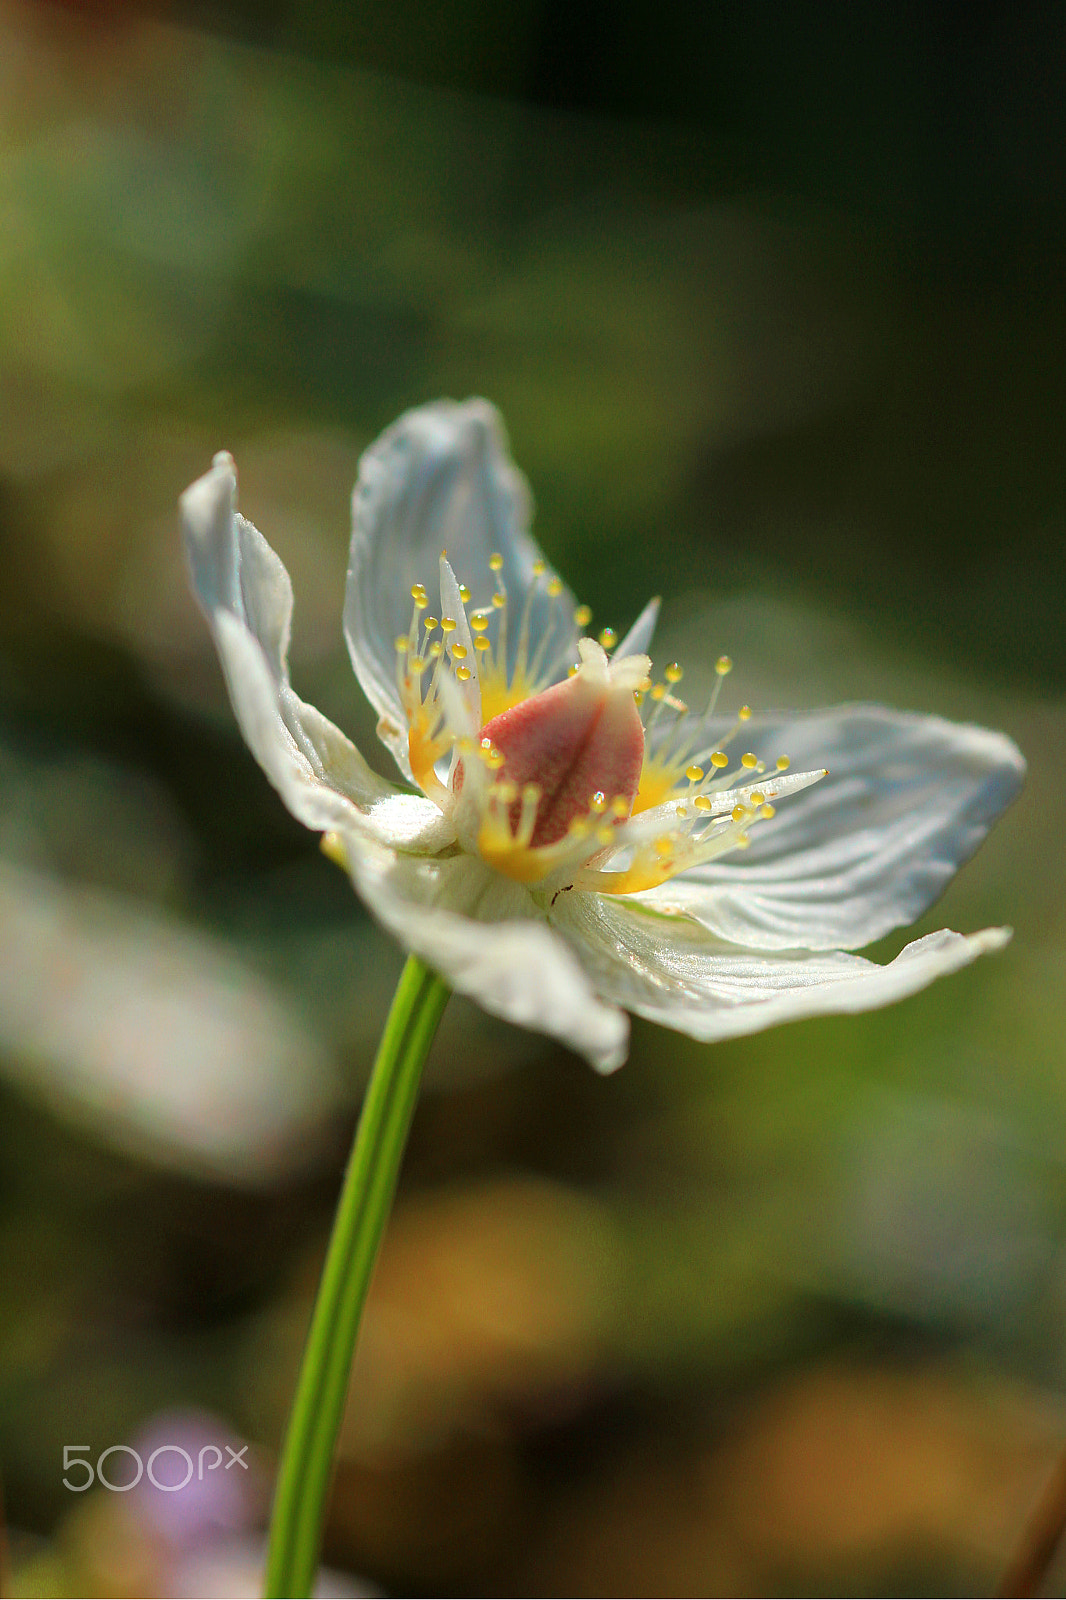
(305, 1470)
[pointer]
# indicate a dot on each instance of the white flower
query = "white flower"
(578, 841)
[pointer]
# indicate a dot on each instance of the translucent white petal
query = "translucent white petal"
(482, 933)
(439, 478)
(246, 594)
(674, 972)
(638, 640)
(907, 801)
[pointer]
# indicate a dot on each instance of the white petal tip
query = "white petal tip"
(606, 1065)
(990, 939)
(216, 490)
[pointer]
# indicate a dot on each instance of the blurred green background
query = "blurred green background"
(771, 299)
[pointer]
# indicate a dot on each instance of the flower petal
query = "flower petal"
(908, 799)
(439, 478)
(246, 594)
(481, 932)
(674, 972)
(637, 641)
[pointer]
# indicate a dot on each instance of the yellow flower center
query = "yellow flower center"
(599, 775)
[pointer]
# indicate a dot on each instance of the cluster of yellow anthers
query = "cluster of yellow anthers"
(684, 806)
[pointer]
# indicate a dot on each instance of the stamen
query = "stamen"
(723, 667)
(608, 638)
(582, 616)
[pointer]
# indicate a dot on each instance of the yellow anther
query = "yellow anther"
(783, 763)
(495, 761)
(744, 713)
(756, 797)
(638, 694)
(742, 841)
(418, 591)
(539, 568)
(481, 643)
(620, 806)
(505, 790)
(499, 601)
(436, 650)
(401, 643)
(605, 834)
(580, 828)
(572, 672)
(478, 622)
(582, 616)
(723, 666)
(673, 673)
(694, 774)
(417, 665)
(608, 638)
(429, 623)
(496, 562)
(719, 759)
(644, 685)
(598, 803)
(459, 652)
(664, 845)
(749, 760)
(467, 747)
(702, 802)
(658, 691)
(555, 587)
(531, 793)
(332, 845)
(448, 624)
(464, 674)
(464, 594)
(767, 810)
(738, 813)
(682, 811)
